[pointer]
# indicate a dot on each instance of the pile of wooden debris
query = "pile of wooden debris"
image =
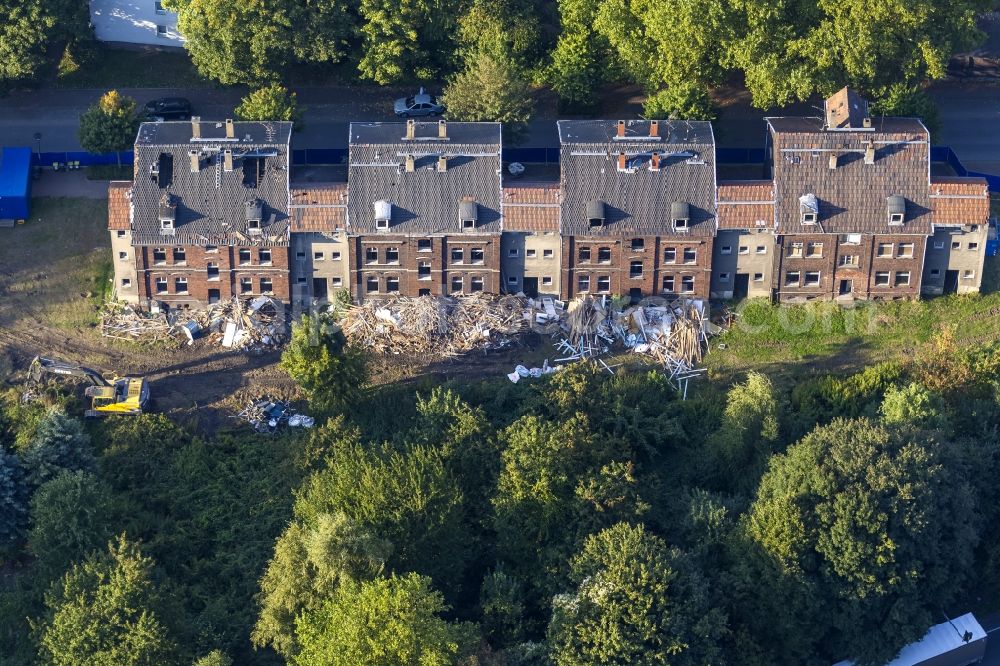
(121, 321)
(435, 326)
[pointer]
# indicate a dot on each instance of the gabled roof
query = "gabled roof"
(211, 201)
(425, 200)
(531, 207)
(118, 205)
(318, 207)
(637, 199)
(959, 201)
(746, 204)
(852, 195)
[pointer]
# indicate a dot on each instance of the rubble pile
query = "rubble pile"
(443, 326)
(254, 324)
(267, 415)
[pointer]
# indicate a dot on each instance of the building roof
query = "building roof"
(959, 201)
(531, 207)
(318, 207)
(746, 204)
(211, 201)
(118, 205)
(845, 109)
(941, 639)
(852, 195)
(636, 199)
(425, 200)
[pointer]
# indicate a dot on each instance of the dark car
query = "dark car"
(420, 104)
(168, 108)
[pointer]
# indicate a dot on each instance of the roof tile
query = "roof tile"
(531, 207)
(118, 205)
(959, 201)
(318, 207)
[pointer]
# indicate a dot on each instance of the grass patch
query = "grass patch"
(56, 266)
(798, 340)
(130, 68)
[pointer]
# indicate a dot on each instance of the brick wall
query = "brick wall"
(194, 268)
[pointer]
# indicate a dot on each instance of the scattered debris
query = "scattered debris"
(521, 371)
(267, 415)
(250, 325)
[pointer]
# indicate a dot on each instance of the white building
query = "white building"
(135, 22)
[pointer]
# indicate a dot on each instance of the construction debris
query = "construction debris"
(520, 371)
(251, 325)
(439, 327)
(267, 415)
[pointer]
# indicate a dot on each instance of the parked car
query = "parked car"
(420, 104)
(168, 108)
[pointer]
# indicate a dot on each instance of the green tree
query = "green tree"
(913, 405)
(233, 42)
(318, 358)
(273, 102)
(501, 602)
(747, 434)
(505, 30)
(32, 28)
(309, 565)
(214, 658)
(411, 40)
(13, 499)
(876, 527)
(103, 612)
(110, 125)
(637, 602)
(59, 444)
(392, 621)
(582, 58)
(71, 515)
(490, 90)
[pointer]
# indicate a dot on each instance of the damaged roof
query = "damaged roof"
(852, 173)
(665, 163)
(428, 199)
(318, 207)
(184, 165)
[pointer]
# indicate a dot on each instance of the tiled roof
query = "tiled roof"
(746, 204)
(211, 202)
(318, 207)
(531, 207)
(637, 200)
(852, 198)
(118, 205)
(424, 201)
(959, 201)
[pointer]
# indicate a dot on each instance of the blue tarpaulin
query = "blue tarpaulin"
(15, 183)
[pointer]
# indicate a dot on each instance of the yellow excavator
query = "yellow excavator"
(114, 395)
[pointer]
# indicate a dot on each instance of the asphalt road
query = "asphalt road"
(970, 114)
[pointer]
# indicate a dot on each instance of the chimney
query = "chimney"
(409, 162)
(411, 129)
(621, 161)
(866, 122)
(833, 160)
(621, 128)
(195, 127)
(195, 156)
(227, 160)
(230, 130)
(442, 162)
(442, 129)
(654, 161)
(654, 128)
(870, 153)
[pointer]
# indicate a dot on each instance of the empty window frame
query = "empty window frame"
(392, 255)
(968, 275)
(371, 285)
(264, 256)
(583, 283)
(424, 270)
(300, 256)
(723, 277)
(669, 255)
(121, 233)
(638, 245)
(744, 249)
(726, 249)
(687, 284)
(758, 277)
(849, 260)
(246, 285)
(180, 285)
(334, 256)
(603, 284)
(126, 282)
(371, 255)
(457, 255)
(792, 278)
(244, 257)
(668, 284)
(584, 253)
(476, 255)
(795, 249)
(457, 284)
(336, 281)
(546, 280)
(604, 255)
(635, 270)
(902, 278)
(423, 245)
(512, 280)
(761, 249)
(266, 286)
(212, 270)
(392, 284)
(956, 245)
(690, 255)
(881, 278)
(123, 256)
(180, 255)
(159, 255)
(160, 285)
(530, 253)
(973, 246)
(904, 250)
(318, 256)
(811, 279)
(814, 249)
(547, 254)
(883, 250)
(476, 283)
(513, 252)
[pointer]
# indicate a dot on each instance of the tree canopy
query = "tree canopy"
(31, 30)
(273, 102)
(110, 125)
(318, 358)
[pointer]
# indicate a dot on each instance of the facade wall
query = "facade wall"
(320, 265)
(958, 249)
(664, 268)
(134, 22)
(423, 265)
(849, 266)
(741, 254)
(127, 287)
(236, 276)
(532, 255)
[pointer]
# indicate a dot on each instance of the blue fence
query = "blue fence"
(946, 154)
(85, 159)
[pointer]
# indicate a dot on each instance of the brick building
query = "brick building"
(638, 212)
(743, 258)
(424, 208)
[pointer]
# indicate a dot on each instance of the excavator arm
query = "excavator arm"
(40, 366)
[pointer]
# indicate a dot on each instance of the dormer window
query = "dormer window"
(595, 214)
(168, 215)
(254, 216)
(897, 210)
(468, 214)
(383, 214)
(808, 209)
(680, 216)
